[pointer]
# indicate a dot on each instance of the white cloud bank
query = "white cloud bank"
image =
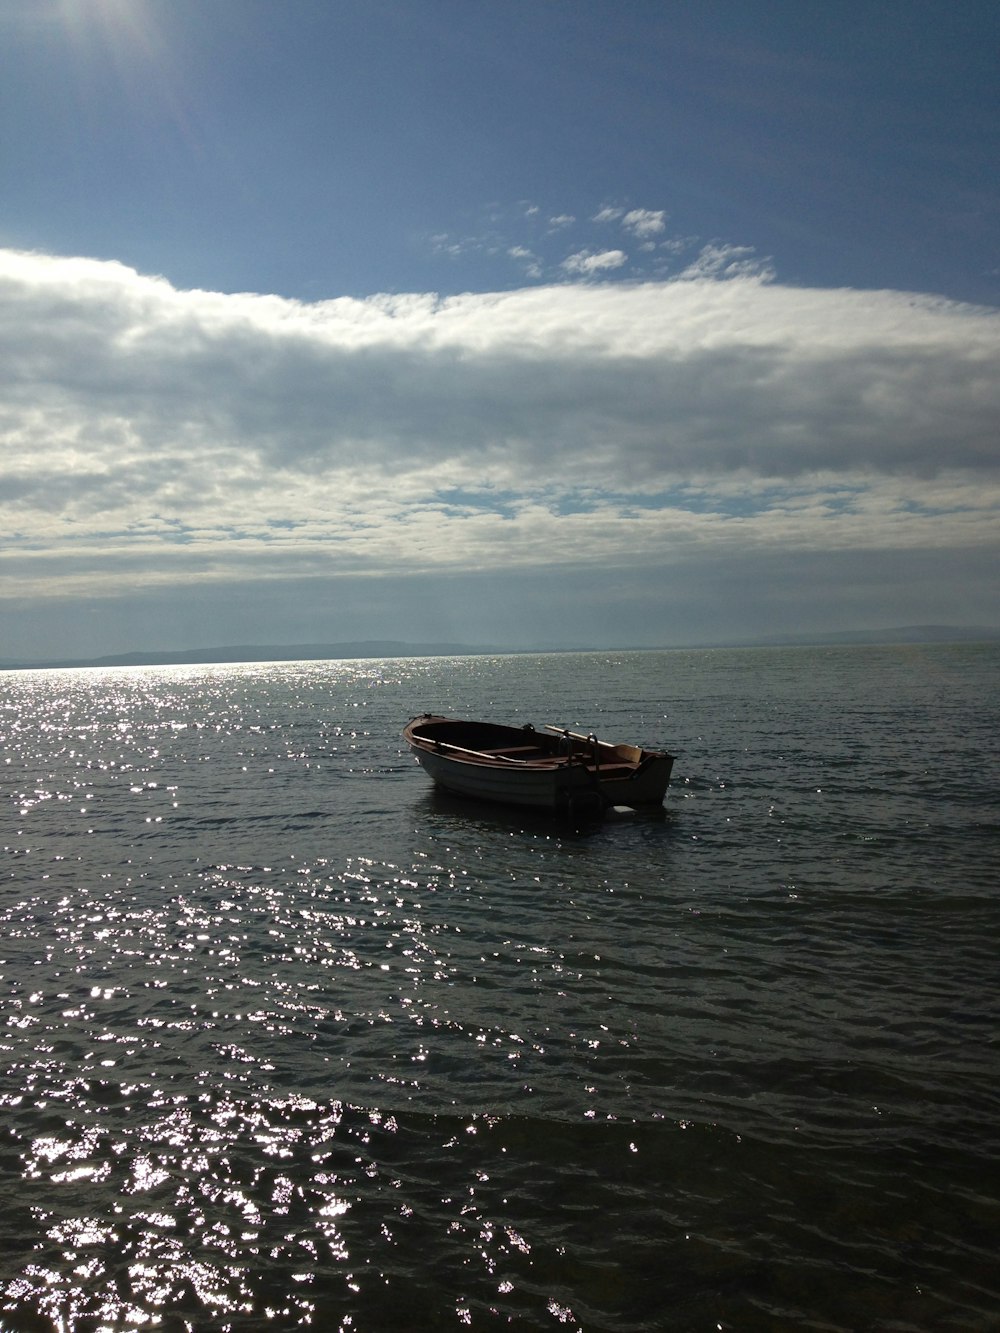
(155, 437)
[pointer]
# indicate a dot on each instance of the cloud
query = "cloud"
(727, 261)
(554, 246)
(152, 438)
(527, 258)
(645, 222)
(586, 263)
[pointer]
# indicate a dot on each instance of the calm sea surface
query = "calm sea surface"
(288, 1039)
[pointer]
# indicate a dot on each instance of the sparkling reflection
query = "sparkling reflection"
(286, 1041)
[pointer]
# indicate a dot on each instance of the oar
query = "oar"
(576, 735)
(464, 749)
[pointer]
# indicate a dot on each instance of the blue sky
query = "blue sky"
(530, 323)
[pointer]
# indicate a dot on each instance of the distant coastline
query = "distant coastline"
(386, 648)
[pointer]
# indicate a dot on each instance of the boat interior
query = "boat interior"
(479, 745)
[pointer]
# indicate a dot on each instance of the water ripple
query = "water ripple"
(290, 1039)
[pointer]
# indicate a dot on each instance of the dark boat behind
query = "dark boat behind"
(552, 769)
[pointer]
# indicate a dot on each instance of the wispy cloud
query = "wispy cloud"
(645, 222)
(162, 437)
(528, 259)
(585, 263)
(547, 246)
(727, 261)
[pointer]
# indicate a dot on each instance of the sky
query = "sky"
(529, 323)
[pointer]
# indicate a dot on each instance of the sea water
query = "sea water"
(289, 1039)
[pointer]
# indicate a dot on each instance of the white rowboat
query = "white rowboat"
(552, 769)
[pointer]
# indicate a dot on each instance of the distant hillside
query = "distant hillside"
(287, 652)
(364, 648)
(901, 634)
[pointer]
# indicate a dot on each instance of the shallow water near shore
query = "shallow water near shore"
(290, 1039)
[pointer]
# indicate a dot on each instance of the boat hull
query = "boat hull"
(556, 789)
(646, 786)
